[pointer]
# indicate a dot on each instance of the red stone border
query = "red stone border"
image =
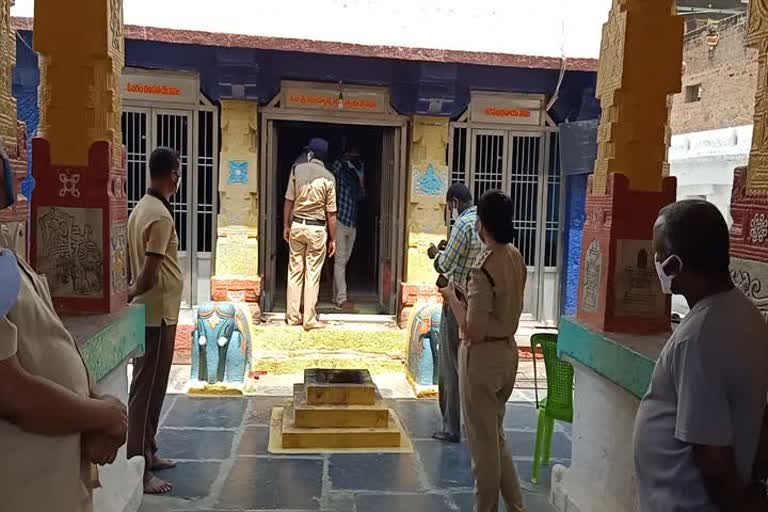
(235, 289)
(410, 295)
(166, 35)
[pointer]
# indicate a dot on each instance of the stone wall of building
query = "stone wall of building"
(427, 186)
(237, 246)
(718, 61)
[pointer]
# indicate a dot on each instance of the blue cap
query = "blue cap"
(318, 145)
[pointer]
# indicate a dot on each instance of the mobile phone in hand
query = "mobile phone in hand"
(442, 281)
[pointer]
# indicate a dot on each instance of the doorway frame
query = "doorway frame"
(269, 202)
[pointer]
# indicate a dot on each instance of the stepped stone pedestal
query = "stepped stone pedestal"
(336, 410)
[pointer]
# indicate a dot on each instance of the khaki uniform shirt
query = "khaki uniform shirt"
(151, 230)
(41, 472)
(495, 292)
(312, 188)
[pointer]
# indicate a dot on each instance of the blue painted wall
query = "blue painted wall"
(26, 78)
(578, 150)
(575, 199)
(251, 73)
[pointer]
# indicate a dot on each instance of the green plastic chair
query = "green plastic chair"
(558, 405)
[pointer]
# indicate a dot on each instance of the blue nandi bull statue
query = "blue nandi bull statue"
(221, 348)
(424, 344)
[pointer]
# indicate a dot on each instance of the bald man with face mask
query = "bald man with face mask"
(53, 428)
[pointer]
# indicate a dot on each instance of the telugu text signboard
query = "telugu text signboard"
(501, 109)
(160, 87)
(344, 99)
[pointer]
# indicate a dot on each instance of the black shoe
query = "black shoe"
(446, 437)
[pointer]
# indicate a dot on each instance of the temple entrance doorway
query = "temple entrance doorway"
(374, 271)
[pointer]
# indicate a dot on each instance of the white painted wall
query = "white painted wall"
(601, 476)
(703, 163)
(543, 28)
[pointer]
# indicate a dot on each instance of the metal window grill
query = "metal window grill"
(487, 162)
(205, 181)
(459, 155)
(173, 132)
(525, 156)
(552, 228)
(134, 124)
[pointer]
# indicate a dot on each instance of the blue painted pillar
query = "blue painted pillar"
(578, 150)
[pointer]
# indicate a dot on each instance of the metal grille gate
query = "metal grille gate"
(525, 165)
(194, 134)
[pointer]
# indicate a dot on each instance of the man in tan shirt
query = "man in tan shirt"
(158, 284)
(52, 426)
(310, 229)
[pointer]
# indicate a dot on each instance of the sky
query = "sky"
(551, 28)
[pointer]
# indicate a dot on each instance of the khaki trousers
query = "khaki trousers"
(345, 242)
(487, 374)
(305, 265)
(150, 381)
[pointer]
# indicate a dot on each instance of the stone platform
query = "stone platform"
(336, 410)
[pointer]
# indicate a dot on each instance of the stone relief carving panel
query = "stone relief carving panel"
(70, 250)
(593, 268)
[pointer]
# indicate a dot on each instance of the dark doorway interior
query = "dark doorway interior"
(363, 267)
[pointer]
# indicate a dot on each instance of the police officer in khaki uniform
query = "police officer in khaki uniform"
(53, 427)
(310, 230)
(488, 355)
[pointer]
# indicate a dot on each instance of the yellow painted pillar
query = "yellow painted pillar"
(640, 67)
(749, 200)
(7, 63)
(428, 182)
(237, 247)
(81, 55)
(757, 38)
(12, 137)
(79, 208)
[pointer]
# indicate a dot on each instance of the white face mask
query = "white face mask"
(664, 279)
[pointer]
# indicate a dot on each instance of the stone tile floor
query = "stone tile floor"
(221, 447)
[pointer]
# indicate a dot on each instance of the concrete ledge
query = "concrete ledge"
(107, 341)
(627, 360)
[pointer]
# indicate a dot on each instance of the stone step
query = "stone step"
(339, 438)
(283, 363)
(339, 416)
(360, 338)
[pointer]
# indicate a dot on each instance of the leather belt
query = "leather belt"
(309, 222)
(496, 340)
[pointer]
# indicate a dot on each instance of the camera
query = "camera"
(433, 250)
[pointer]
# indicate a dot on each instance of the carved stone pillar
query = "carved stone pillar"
(237, 246)
(429, 182)
(619, 289)
(749, 201)
(13, 221)
(79, 211)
